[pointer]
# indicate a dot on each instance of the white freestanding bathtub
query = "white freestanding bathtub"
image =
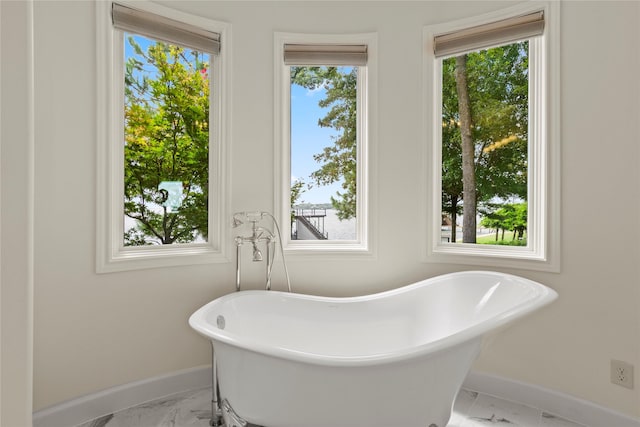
(392, 359)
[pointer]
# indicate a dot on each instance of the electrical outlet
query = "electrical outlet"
(622, 373)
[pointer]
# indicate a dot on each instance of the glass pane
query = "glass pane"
(323, 153)
(166, 143)
(485, 112)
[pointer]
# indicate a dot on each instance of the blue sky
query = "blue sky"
(307, 139)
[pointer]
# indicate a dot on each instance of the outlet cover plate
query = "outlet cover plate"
(622, 373)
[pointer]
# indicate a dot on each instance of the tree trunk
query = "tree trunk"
(468, 155)
(454, 209)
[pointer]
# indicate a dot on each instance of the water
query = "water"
(339, 230)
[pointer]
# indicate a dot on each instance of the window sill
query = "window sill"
(137, 258)
(327, 250)
(525, 258)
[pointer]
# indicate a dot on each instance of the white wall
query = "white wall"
(95, 331)
(16, 222)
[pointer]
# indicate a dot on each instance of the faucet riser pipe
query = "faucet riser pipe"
(269, 263)
(238, 244)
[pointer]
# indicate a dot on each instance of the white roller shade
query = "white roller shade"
(161, 28)
(325, 54)
(495, 33)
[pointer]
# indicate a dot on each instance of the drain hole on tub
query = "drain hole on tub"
(221, 322)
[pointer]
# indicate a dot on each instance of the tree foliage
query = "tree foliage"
(337, 161)
(166, 140)
(496, 83)
(508, 217)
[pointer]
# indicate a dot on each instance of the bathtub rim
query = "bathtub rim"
(543, 296)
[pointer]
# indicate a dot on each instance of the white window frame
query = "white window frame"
(543, 249)
(111, 254)
(367, 82)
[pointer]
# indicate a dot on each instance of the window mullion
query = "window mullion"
(538, 147)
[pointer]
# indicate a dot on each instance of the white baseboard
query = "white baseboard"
(94, 405)
(105, 402)
(556, 403)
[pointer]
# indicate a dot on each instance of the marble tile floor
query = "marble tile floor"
(192, 409)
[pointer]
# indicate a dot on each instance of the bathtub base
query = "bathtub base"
(272, 392)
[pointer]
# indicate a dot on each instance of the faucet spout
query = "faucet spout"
(257, 255)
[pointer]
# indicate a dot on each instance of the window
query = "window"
(494, 159)
(161, 134)
(323, 136)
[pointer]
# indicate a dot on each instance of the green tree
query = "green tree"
(484, 136)
(338, 161)
(494, 221)
(511, 217)
(166, 141)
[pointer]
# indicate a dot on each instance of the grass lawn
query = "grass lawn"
(490, 239)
